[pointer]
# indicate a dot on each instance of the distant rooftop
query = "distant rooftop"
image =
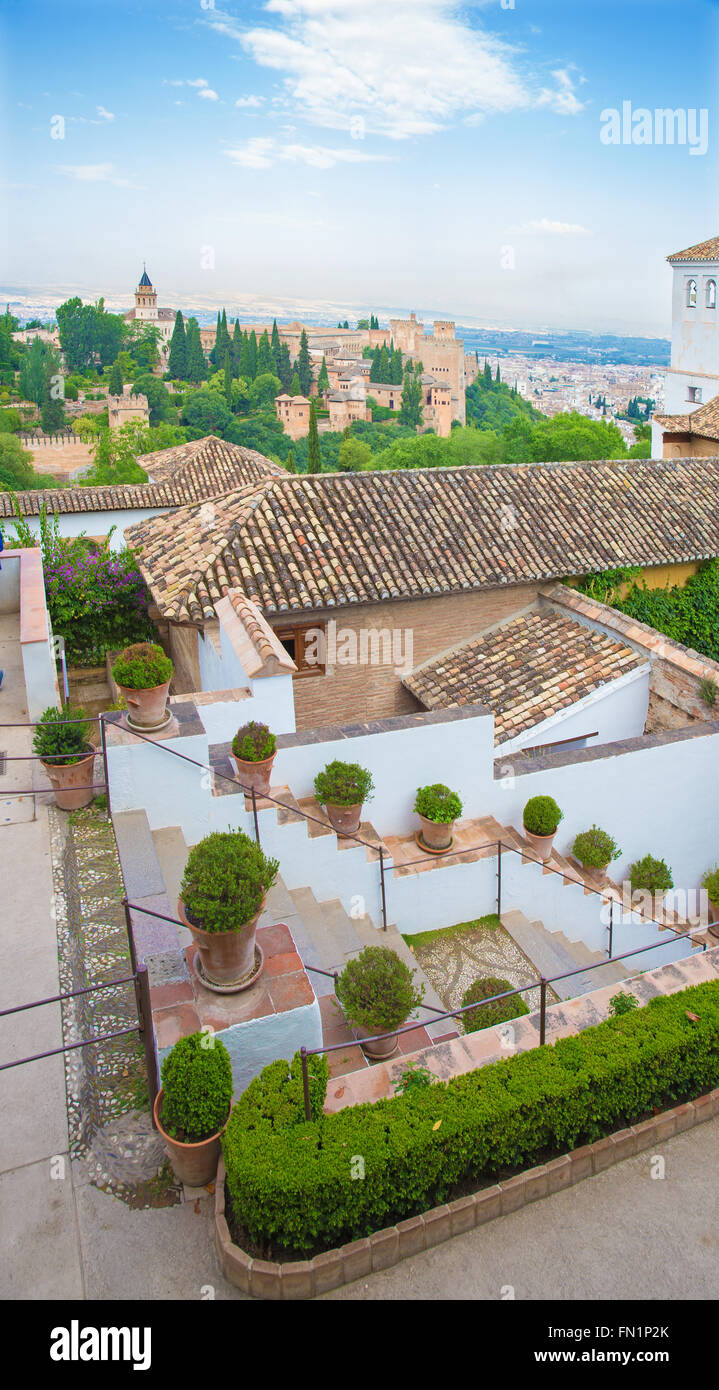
(703, 251)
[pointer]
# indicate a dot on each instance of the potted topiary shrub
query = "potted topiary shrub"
(377, 994)
(253, 752)
(596, 850)
(541, 819)
(499, 1011)
(342, 788)
(193, 1105)
(438, 808)
(650, 875)
(67, 755)
(710, 882)
(142, 674)
(222, 895)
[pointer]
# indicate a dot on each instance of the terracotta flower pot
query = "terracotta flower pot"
(227, 957)
(345, 819)
(541, 844)
(255, 775)
(68, 779)
(194, 1164)
(146, 709)
(436, 834)
(714, 917)
(386, 1047)
(596, 876)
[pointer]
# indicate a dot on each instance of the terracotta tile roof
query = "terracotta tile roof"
(703, 251)
(204, 468)
(263, 653)
(704, 421)
(306, 542)
(526, 670)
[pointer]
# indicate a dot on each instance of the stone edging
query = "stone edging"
(306, 1278)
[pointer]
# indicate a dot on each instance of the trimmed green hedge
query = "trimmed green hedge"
(295, 1182)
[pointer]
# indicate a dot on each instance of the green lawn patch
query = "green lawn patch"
(428, 938)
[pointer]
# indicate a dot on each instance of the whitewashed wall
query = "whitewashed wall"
(270, 701)
(92, 523)
(615, 711)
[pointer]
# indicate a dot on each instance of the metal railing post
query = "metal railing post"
(542, 1010)
(382, 886)
(103, 740)
(306, 1083)
(611, 927)
(499, 878)
(144, 1013)
(254, 814)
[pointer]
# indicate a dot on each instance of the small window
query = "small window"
(694, 394)
(691, 294)
(711, 294)
(306, 646)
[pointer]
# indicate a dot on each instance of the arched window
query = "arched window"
(711, 294)
(691, 294)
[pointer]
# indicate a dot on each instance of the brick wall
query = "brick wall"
(367, 692)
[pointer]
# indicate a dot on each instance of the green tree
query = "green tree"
(354, 456)
(410, 411)
(487, 375)
(290, 464)
(52, 411)
(303, 365)
(206, 412)
(177, 362)
(252, 355)
(196, 368)
(295, 388)
(115, 382)
(314, 457)
(284, 366)
(265, 356)
(217, 343)
(16, 471)
(263, 390)
(323, 381)
(395, 368)
(158, 396)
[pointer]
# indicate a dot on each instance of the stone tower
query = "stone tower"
(146, 299)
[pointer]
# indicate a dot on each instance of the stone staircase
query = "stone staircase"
(551, 953)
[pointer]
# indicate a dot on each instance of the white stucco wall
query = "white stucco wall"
(271, 698)
(257, 1042)
(615, 711)
(93, 523)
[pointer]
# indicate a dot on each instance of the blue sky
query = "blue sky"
(362, 152)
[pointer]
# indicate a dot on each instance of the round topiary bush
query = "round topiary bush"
(376, 990)
(438, 803)
(651, 875)
(343, 784)
(225, 880)
(496, 1012)
(253, 743)
(595, 849)
(542, 815)
(197, 1087)
(710, 882)
(142, 666)
(57, 741)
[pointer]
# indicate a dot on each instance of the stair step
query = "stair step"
(332, 939)
(548, 955)
(310, 807)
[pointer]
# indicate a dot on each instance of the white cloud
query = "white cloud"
(263, 152)
(543, 226)
(563, 100)
(408, 68)
(95, 173)
(208, 94)
(103, 114)
(197, 82)
(249, 101)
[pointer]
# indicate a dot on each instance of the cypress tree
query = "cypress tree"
(275, 344)
(411, 408)
(303, 365)
(290, 464)
(265, 356)
(497, 377)
(244, 360)
(284, 366)
(323, 381)
(374, 369)
(295, 389)
(487, 375)
(314, 458)
(114, 385)
(177, 361)
(228, 377)
(215, 347)
(236, 345)
(196, 368)
(252, 355)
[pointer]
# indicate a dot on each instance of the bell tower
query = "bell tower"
(146, 299)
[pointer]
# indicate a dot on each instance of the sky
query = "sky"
(386, 154)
